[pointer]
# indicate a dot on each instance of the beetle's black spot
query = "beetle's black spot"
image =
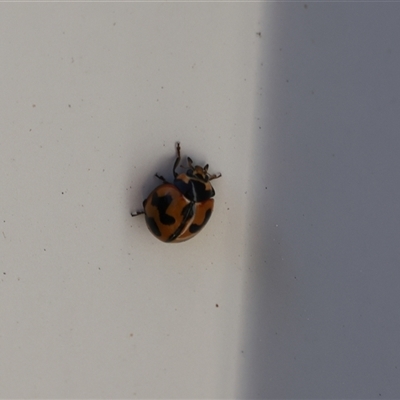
(162, 203)
(152, 225)
(195, 228)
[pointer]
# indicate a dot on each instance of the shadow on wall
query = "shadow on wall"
(321, 301)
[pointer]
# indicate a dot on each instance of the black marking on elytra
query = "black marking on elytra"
(195, 228)
(162, 203)
(187, 213)
(152, 225)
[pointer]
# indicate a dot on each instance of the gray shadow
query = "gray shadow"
(322, 295)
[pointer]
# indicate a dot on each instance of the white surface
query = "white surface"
(296, 104)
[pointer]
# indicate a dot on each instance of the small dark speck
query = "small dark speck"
(62, 192)
(69, 105)
(4, 273)
(114, 23)
(305, 6)
(44, 249)
(265, 187)
(259, 34)
(33, 105)
(217, 305)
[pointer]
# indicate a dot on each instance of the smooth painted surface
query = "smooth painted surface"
(291, 291)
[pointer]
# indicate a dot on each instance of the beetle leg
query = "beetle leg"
(215, 176)
(160, 177)
(137, 213)
(178, 159)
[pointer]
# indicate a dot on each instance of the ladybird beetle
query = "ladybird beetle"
(177, 211)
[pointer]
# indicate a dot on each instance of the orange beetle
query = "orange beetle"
(177, 211)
